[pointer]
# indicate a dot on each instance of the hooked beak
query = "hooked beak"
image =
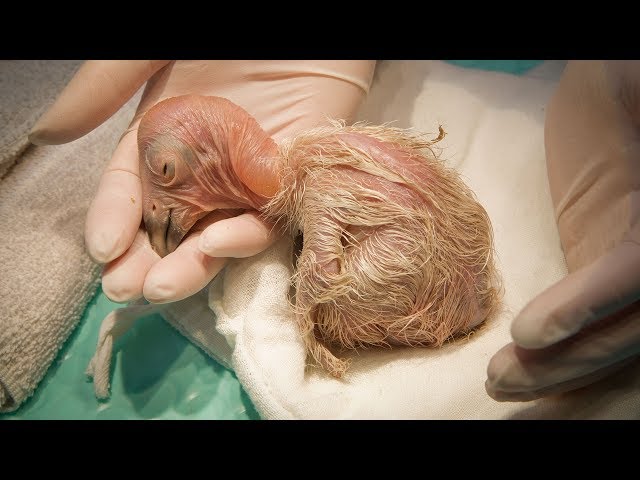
(164, 232)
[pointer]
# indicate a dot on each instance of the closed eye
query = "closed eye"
(168, 170)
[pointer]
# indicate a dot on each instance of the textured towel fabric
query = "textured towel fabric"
(27, 87)
(46, 277)
(495, 138)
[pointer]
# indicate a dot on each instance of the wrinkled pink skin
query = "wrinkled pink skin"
(198, 154)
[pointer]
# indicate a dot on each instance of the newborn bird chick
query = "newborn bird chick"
(396, 248)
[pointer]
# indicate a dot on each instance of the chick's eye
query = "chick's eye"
(168, 170)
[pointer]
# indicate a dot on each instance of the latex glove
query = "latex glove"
(284, 97)
(587, 325)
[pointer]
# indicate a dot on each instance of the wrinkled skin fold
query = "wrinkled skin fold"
(396, 250)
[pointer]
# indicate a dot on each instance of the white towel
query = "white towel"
(494, 123)
(46, 276)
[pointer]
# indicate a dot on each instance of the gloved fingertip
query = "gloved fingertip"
(503, 397)
(208, 243)
(42, 134)
(497, 368)
(495, 394)
(119, 288)
(159, 291)
(119, 293)
(101, 247)
(526, 332)
(38, 137)
(508, 379)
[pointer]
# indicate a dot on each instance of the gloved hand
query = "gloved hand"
(586, 326)
(283, 96)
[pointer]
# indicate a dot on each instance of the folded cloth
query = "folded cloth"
(494, 123)
(46, 277)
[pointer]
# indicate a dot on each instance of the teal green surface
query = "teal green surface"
(517, 67)
(157, 373)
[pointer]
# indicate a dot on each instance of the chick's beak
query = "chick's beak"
(163, 229)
